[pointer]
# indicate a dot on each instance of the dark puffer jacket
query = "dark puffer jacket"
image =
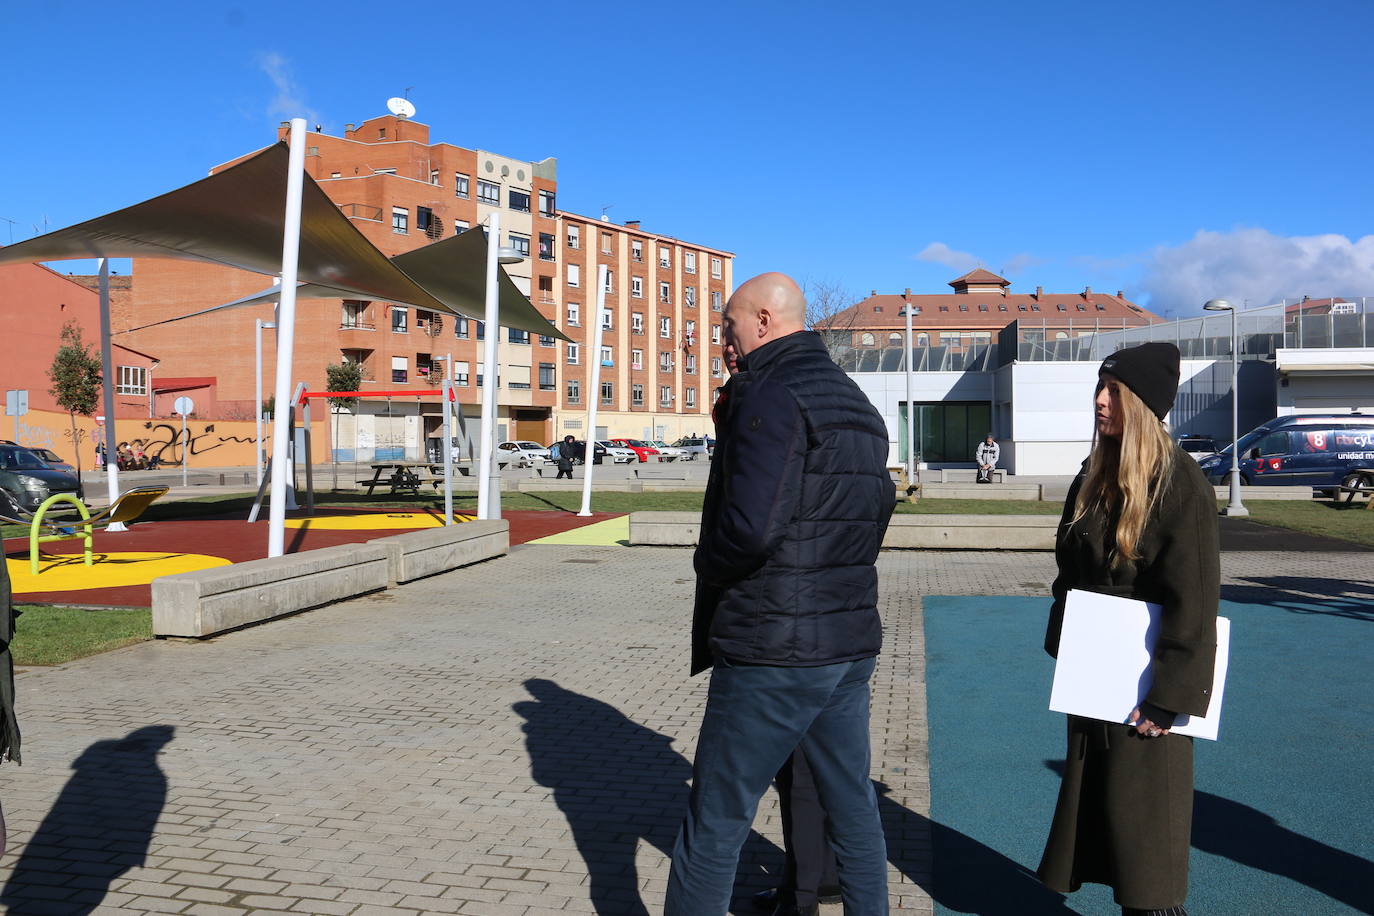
(796, 508)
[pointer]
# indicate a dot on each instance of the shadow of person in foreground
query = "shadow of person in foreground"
(618, 782)
(99, 827)
(957, 871)
(1249, 837)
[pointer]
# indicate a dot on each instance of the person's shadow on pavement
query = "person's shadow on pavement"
(99, 827)
(616, 782)
(964, 875)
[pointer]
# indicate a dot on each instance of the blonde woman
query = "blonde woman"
(1140, 522)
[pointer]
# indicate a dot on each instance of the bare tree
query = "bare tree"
(830, 312)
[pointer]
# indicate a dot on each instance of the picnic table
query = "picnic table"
(405, 476)
(1359, 480)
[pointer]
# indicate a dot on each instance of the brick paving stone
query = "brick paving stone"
(393, 749)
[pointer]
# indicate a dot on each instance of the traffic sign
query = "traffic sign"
(184, 406)
(16, 402)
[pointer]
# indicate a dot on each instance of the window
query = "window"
(637, 322)
(866, 339)
(574, 314)
(520, 243)
(665, 327)
(610, 280)
(689, 261)
(665, 257)
(574, 236)
(460, 185)
(1061, 307)
(354, 315)
(982, 307)
(607, 393)
(481, 330)
(546, 289)
(665, 293)
(1035, 308)
(637, 250)
(460, 226)
(637, 287)
(715, 367)
(433, 176)
(400, 320)
(574, 275)
(715, 333)
(1082, 308)
(400, 367)
(546, 203)
(665, 395)
(400, 220)
(546, 246)
(1001, 307)
(460, 374)
(607, 320)
(545, 341)
(489, 192)
(132, 380)
(690, 329)
(944, 308)
(461, 327)
(690, 364)
(691, 398)
(546, 377)
(636, 359)
(423, 364)
(574, 391)
(715, 268)
(517, 336)
(715, 300)
(605, 243)
(636, 395)
(665, 361)
(949, 338)
(424, 219)
(518, 200)
(1020, 308)
(574, 354)
(689, 297)
(607, 356)
(963, 308)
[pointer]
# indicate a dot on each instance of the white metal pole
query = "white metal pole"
(910, 407)
(185, 453)
(594, 394)
(286, 338)
(445, 397)
(1234, 506)
(488, 484)
(107, 370)
(257, 410)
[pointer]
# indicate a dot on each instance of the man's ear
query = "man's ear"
(765, 319)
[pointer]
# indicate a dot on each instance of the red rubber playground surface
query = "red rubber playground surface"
(165, 547)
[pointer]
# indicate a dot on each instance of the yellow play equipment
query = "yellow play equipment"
(125, 509)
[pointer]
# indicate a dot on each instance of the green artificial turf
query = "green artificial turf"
(1348, 522)
(50, 635)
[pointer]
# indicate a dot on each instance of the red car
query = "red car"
(639, 447)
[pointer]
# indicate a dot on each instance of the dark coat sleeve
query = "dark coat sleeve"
(1187, 574)
(761, 484)
(1066, 562)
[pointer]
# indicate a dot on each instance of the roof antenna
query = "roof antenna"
(604, 217)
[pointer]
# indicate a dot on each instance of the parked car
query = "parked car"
(26, 480)
(1198, 447)
(618, 454)
(668, 452)
(51, 460)
(696, 445)
(1323, 452)
(643, 450)
(580, 452)
(521, 454)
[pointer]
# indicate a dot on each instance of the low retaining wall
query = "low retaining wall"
(936, 532)
(211, 601)
(1029, 492)
(430, 551)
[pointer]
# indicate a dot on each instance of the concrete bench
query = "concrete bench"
(1247, 493)
(936, 532)
(1013, 491)
(960, 475)
(660, 472)
(210, 601)
(430, 551)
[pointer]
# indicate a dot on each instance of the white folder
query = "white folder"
(1103, 669)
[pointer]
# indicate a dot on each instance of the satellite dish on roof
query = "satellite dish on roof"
(401, 108)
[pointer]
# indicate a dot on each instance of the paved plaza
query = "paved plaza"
(511, 738)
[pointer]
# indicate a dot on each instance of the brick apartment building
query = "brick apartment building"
(404, 192)
(980, 306)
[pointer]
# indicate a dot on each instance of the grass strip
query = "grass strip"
(52, 635)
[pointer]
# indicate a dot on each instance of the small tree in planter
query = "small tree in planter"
(76, 379)
(345, 376)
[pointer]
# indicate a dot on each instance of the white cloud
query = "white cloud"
(1256, 265)
(289, 101)
(1020, 263)
(940, 253)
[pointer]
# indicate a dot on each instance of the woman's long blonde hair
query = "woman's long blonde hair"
(1127, 475)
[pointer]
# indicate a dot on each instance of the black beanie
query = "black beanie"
(1150, 370)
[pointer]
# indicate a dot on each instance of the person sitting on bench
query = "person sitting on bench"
(986, 455)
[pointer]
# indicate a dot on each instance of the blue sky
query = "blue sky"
(1176, 151)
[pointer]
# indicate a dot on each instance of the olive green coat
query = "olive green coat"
(9, 728)
(1124, 815)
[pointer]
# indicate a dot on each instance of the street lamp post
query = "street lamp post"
(910, 405)
(1234, 508)
(259, 326)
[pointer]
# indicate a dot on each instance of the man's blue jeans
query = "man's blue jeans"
(755, 715)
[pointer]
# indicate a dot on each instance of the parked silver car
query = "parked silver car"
(617, 453)
(521, 454)
(668, 452)
(695, 446)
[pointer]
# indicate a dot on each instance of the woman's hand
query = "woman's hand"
(1144, 727)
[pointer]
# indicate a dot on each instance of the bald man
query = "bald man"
(787, 601)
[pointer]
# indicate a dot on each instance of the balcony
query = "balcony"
(356, 324)
(362, 211)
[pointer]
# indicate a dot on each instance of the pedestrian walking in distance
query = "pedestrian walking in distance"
(786, 613)
(566, 451)
(1140, 522)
